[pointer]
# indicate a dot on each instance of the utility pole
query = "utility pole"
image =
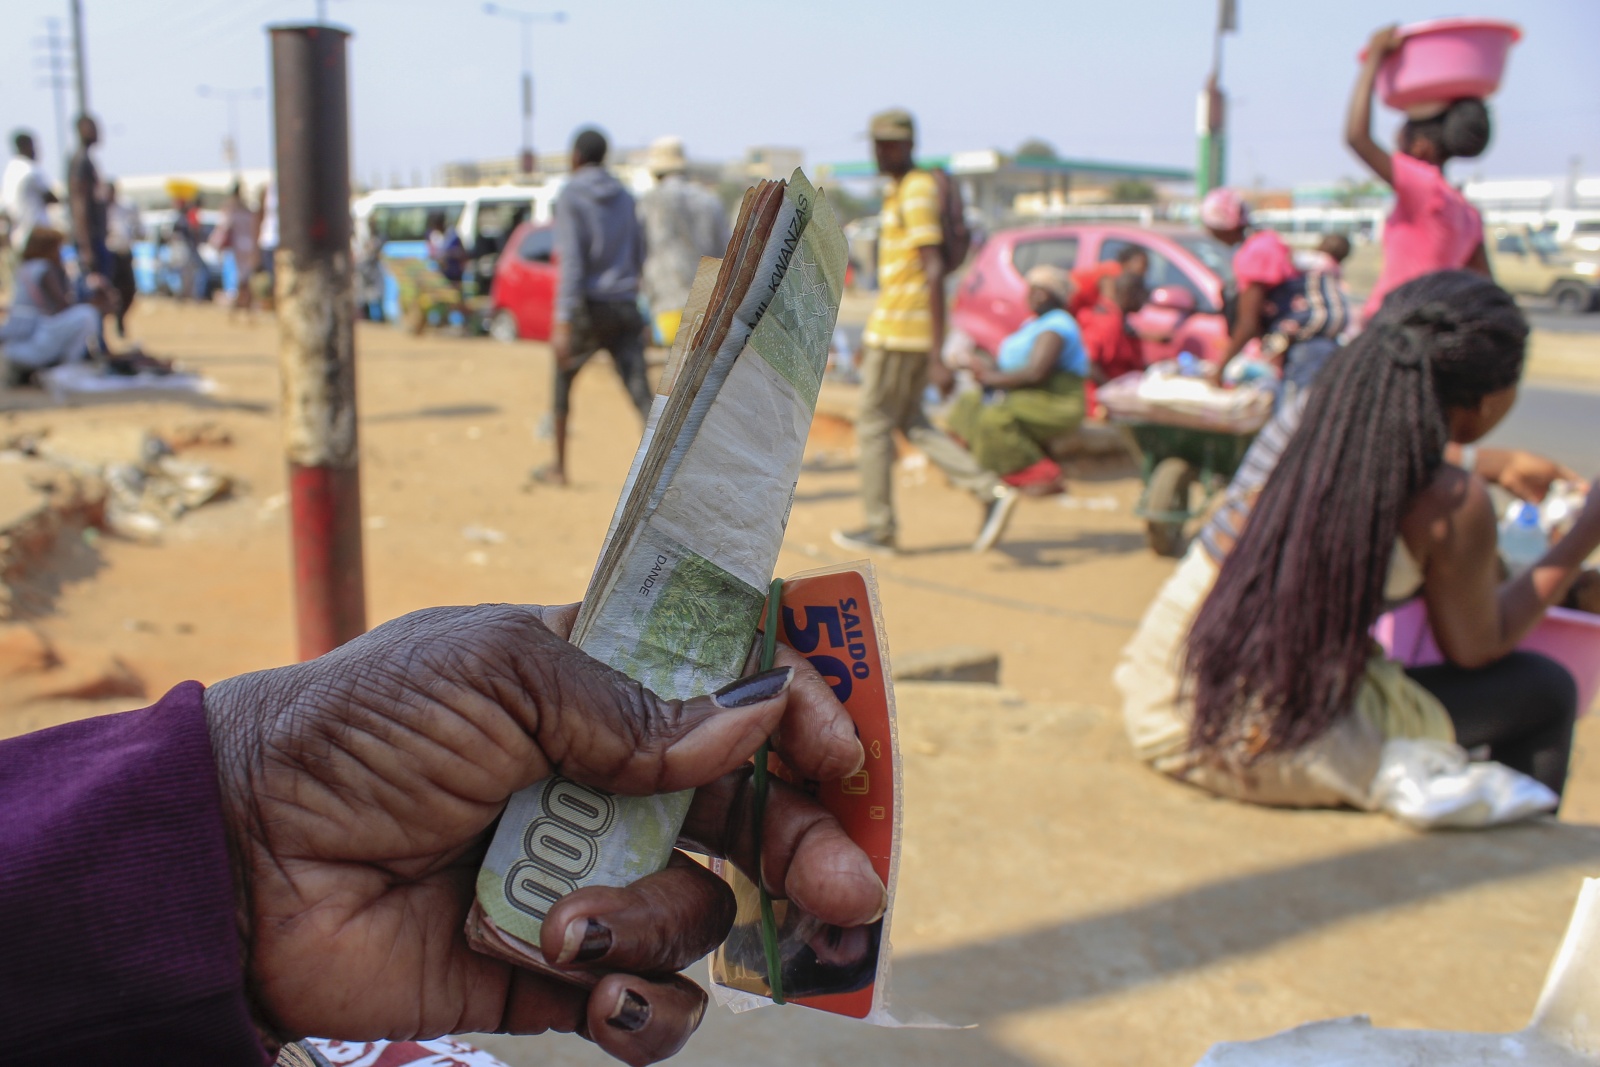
(1211, 169)
(232, 96)
(316, 332)
(53, 63)
(79, 67)
(527, 19)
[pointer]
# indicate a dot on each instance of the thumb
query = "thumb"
(597, 726)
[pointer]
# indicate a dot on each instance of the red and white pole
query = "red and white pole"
(316, 324)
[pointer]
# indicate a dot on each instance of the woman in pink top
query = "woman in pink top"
(1432, 226)
(1261, 263)
(1272, 293)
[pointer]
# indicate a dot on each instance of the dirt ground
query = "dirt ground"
(1076, 907)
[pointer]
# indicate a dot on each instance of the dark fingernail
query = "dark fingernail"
(754, 689)
(585, 941)
(631, 1013)
(596, 942)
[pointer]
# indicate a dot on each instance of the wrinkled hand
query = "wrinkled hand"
(360, 790)
(1529, 476)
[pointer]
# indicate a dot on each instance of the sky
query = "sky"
(434, 81)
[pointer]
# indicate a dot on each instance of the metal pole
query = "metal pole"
(79, 68)
(527, 96)
(316, 306)
(233, 132)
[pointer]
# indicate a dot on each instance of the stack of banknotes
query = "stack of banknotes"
(676, 597)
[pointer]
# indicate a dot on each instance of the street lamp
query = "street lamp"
(322, 12)
(1212, 126)
(232, 96)
(527, 19)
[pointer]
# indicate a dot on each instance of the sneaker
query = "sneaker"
(995, 518)
(863, 541)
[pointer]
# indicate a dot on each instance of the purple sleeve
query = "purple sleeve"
(118, 938)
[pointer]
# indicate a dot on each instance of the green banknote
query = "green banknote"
(677, 595)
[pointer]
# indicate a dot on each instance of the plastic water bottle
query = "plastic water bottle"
(1522, 539)
(1189, 365)
(1561, 507)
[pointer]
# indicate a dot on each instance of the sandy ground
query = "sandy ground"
(1074, 906)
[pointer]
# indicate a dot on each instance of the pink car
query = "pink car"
(1189, 271)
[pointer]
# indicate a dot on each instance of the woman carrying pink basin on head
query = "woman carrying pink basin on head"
(1432, 227)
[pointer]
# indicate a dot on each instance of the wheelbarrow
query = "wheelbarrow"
(1176, 460)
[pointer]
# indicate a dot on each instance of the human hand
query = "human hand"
(942, 377)
(1586, 527)
(982, 368)
(360, 790)
(561, 341)
(1383, 42)
(1529, 476)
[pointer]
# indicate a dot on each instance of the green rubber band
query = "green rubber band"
(769, 925)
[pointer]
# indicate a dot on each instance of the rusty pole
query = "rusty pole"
(316, 332)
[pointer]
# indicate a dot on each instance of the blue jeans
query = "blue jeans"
(1302, 363)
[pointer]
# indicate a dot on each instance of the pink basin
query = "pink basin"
(1571, 638)
(1444, 60)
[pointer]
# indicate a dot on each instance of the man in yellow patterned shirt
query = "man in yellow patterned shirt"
(901, 350)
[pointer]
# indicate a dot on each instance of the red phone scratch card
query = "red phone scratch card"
(833, 618)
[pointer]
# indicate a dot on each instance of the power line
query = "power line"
(55, 62)
(232, 97)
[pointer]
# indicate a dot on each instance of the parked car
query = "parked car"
(1189, 274)
(1579, 235)
(523, 294)
(1531, 263)
(483, 217)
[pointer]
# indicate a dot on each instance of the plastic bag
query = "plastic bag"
(1563, 1032)
(1431, 785)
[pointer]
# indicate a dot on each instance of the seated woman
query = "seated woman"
(1114, 346)
(45, 327)
(1033, 391)
(1253, 674)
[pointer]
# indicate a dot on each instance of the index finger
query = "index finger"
(816, 735)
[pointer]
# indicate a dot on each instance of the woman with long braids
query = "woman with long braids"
(1253, 673)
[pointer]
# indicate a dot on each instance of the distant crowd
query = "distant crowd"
(68, 278)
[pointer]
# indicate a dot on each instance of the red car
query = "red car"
(523, 293)
(1189, 271)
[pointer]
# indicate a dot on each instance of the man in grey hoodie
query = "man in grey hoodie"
(600, 252)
